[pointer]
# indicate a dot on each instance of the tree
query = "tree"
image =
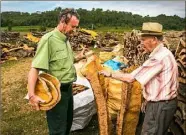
(96, 16)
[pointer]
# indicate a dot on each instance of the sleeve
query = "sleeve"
(147, 71)
(41, 58)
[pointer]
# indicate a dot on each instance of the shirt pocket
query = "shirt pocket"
(61, 54)
(58, 55)
(58, 60)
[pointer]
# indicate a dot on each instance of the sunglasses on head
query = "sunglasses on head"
(70, 11)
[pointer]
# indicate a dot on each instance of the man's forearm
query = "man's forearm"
(32, 78)
(123, 77)
(80, 56)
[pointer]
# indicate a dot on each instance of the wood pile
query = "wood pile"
(108, 41)
(9, 36)
(133, 50)
(38, 34)
(77, 88)
(180, 56)
(173, 34)
(13, 47)
(173, 38)
(80, 39)
(10, 52)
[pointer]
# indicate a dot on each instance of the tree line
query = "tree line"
(91, 18)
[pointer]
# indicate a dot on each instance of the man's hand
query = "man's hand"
(34, 101)
(143, 106)
(105, 73)
(83, 51)
(81, 55)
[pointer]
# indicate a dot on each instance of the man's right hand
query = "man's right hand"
(105, 73)
(34, 101)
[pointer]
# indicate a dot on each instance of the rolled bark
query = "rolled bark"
(90, 71)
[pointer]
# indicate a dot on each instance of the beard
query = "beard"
(69, 33)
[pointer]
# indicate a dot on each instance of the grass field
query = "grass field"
(113, 29)
(22, 28)
(18, 118)
(101, 29)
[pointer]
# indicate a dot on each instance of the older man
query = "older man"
(55, 56)
(158, 76)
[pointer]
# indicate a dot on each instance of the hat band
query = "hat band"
(150, 32)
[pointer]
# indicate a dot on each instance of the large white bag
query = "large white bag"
(84, 105)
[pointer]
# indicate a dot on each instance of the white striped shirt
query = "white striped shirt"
(158, 75)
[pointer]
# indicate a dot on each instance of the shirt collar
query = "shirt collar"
(60, 34)
(156, 50)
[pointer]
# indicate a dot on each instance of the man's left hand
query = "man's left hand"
(105, 73)
(143, 106)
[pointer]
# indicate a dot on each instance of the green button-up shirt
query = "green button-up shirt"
(54, 55)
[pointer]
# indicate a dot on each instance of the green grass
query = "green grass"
(100, 29)
(115, 29)
(112, 29)
(22, 28)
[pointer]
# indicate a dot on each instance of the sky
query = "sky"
(143, 8)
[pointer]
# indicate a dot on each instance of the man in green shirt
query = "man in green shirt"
(55, 56)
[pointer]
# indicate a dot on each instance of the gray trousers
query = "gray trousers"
(158, 117)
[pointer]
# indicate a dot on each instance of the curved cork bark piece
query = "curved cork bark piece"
(90, 71)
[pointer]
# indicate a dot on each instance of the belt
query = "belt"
(65, 86)
(164, 100)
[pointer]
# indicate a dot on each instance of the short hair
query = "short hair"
(159, 37)
(66, 15)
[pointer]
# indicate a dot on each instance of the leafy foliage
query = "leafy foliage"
(92, 18)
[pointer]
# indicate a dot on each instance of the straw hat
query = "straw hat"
(48, 89)
(151, 28)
